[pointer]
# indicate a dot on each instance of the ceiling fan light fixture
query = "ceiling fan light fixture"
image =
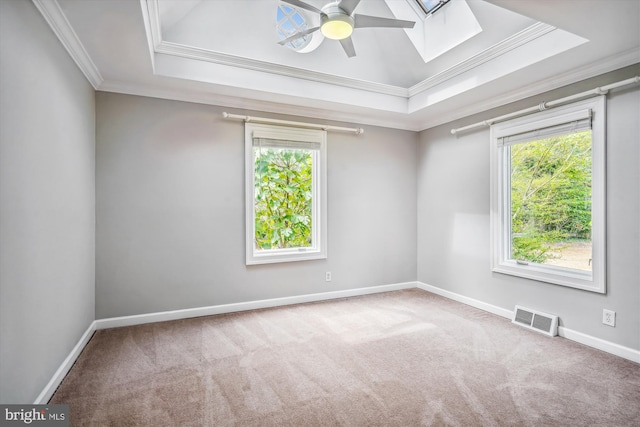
(337, 22)
(336, 26)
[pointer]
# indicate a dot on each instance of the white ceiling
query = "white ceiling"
(225, 52)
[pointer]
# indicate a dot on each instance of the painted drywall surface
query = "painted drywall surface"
(170, 218)
(453, 220)
(47, 200)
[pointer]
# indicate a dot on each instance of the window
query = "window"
(548, 196)
(286, 202)
(431, 6)
(289, 22)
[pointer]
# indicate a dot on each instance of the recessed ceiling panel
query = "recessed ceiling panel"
(226, 52)
(247, 29)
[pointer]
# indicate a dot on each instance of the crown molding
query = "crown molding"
(414, 122)
(611, 63)
(151, 13)
(190, 52)
(523, 37)
(55, 17)
(151, 28)
(371, 117)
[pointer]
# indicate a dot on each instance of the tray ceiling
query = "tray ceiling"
(225, 52)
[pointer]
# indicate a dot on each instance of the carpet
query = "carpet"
(402, 358)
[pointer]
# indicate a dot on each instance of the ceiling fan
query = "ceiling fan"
(337, 22)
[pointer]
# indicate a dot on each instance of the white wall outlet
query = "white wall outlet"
(609, 317)
(327, 276)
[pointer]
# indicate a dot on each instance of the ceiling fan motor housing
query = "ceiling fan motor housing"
(336, 24)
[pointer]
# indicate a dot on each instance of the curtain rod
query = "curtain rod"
(357, 131)
(550, 104)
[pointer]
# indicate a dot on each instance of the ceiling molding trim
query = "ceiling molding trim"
(189, 52)
(383, 120)
(152, 15)
(151, 27)
(55, 17)
(611, 63)
(523, 37)
(378, 119)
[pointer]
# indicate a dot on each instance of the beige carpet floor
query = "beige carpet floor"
(402, 358)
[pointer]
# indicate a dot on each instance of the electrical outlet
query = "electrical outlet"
(609, 317)
(327, 276)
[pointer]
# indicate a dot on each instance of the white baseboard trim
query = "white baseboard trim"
(466, 300)
(579, 337)
(54, 382)
(115, 322)
(600, 344)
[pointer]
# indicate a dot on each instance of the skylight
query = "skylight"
(289, 22)
(431, 6)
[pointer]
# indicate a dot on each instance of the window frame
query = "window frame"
(594, 281)
(428, 12)
(289, 17)
(318, 250)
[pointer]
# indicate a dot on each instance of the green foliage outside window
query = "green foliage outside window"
(550, 194)
(283, 197)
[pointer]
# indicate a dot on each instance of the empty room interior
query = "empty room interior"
(284, 212)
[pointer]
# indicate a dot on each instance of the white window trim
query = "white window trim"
(319, 208)
(594, 281)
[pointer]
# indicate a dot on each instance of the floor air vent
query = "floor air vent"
(537, 321)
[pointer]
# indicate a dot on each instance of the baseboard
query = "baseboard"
(139, 319)
(600, 344)
(579, 337)
(64, 368)
(466, 300)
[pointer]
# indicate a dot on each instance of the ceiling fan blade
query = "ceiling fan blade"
(348, 5)
(347, 45)
(362, 21)
(298, 35)
(302, 5)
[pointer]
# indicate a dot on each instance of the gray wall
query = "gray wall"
(453, 220)
(170, 211)
(47, 196)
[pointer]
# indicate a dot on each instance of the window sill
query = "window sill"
(584, 280)
(276, 256)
